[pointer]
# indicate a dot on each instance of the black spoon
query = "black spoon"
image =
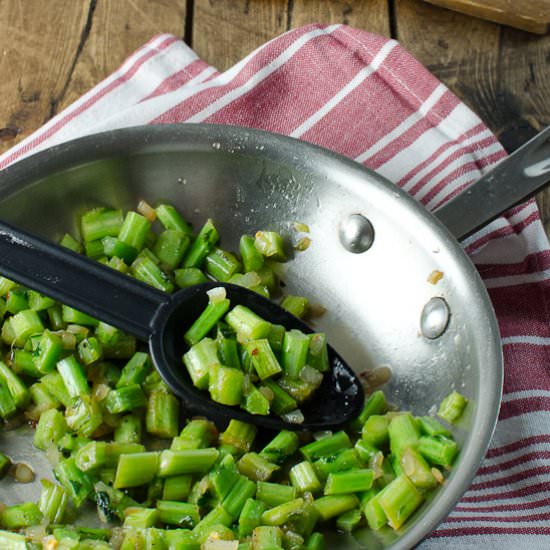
(161, 320)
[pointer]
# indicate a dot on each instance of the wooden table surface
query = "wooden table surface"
(52, 51)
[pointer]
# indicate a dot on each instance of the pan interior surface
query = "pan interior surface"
(247, 180)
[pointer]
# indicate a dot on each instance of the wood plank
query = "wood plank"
(531, 16)
(240, 26)
(38, 48)
(523, 93)
(225, 31)
(524, 80)
(501, 73)
(369, 15)
(465, 61)
(117, 29)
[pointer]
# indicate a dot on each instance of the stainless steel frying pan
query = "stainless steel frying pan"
(373, 250)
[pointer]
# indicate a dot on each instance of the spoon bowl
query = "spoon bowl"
(340, 387)
(161, 319)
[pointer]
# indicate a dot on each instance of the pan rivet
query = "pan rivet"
(434, 318)
(356, 233)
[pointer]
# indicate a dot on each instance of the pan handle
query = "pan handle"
(513, 180)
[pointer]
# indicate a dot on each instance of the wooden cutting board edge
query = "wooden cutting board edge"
(530, 15)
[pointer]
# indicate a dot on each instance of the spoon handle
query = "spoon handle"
(79, 282)
(512, 181)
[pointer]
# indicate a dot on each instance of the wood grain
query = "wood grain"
(522, 100)
(369, 15)
(38, 56)
(117, 29)
(240, 26)
(466, 61)
(503, 74)
(225, 31)
(531, 15)
(49, 57)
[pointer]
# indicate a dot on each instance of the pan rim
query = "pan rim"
(139, 139)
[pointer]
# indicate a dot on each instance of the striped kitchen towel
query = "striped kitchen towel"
(365, 97)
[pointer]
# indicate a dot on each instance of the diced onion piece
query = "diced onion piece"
(248, 280)
(438, 475)
(301, 227)
(145, 209)
(303, 244)
(316, 310)
(100, 392)
(267, 393)
(54, 456)
(310, 375)
(216, 294)
(131, 510)
(68, 339)
(294, 417)
(50, 543)
(213, 543)
(23, 473)
(435, 276)
(37, 534)
(372, 379)
(117, 536)
(78, 330)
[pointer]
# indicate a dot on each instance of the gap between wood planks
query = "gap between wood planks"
(188, 29)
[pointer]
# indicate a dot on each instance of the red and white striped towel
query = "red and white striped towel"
(365, 97)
